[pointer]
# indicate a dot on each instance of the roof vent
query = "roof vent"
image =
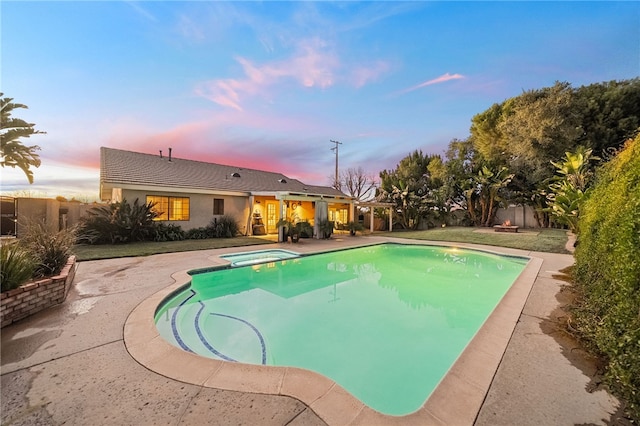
(235, 174)
(282, 180)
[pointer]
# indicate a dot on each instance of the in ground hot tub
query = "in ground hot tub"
(259, 256)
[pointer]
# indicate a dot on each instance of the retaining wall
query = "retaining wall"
(35, 296)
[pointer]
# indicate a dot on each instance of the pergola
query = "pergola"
(372, 205)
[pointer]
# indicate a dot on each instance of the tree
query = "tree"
(13, 152)
(462, 164)
(542, 125)
(411, 187)
(358, 184)
(610, 114)
(486, 193)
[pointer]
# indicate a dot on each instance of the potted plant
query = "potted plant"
(290, 229)
(353, 227)
(325, 228)
(304, 229)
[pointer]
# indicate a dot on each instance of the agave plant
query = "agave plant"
(118, 223)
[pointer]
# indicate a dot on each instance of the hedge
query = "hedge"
(607, 272)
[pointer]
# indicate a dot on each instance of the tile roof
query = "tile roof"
(127, 167)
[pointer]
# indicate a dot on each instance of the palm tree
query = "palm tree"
(13, 152)
(485, 194)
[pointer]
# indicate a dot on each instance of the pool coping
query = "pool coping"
(456, 400)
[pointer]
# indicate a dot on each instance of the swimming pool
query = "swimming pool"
(258, 256)
(386, 322)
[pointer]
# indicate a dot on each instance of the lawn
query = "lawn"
(108, 251)
(544, 240)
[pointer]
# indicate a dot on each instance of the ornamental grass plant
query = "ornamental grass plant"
(49, 249)
(17, 265)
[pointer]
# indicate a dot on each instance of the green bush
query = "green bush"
(118, 223)
(608, 272)
(17, 266)
(168, 232)
(224, 227)
(50, 250)
(198, 234)
(305, 229)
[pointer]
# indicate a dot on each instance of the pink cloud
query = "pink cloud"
(442, 79)
(312, 65)
(254, 140)
(363, 75)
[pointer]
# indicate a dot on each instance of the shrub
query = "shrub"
(118, 223)
(325, 228)
(608, 272)
(168, 232)
(17, 266)
(224, 227)
(199, 234)
(49, 249)
(305, 229)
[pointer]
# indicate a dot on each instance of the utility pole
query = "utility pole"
(335, 148)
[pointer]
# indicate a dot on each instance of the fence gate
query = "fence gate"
(7, 216)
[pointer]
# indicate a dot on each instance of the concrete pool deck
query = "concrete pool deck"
(79, 363)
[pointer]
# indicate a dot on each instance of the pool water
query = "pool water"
(386, 322)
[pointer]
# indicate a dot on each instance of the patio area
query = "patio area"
(70, 364)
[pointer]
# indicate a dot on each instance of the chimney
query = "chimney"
(160, 153)
(169, 154)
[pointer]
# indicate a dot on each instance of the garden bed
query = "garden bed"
(35, 296)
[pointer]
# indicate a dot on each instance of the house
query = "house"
(192, 193)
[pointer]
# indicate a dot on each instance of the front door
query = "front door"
(272, 217)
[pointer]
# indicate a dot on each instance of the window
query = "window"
(339, 216)
(170, 208)
(218, 206)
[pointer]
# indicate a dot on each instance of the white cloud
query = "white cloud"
(442, 79)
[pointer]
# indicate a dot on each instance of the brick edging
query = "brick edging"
(35, 296)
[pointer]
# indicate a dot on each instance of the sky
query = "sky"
(268, 85)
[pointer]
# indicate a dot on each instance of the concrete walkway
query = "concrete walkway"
(69, 364)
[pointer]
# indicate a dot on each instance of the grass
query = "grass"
(108, 251)
(543, 240)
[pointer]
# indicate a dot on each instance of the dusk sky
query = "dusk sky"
(267, 85)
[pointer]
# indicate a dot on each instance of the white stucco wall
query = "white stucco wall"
(200, 207)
